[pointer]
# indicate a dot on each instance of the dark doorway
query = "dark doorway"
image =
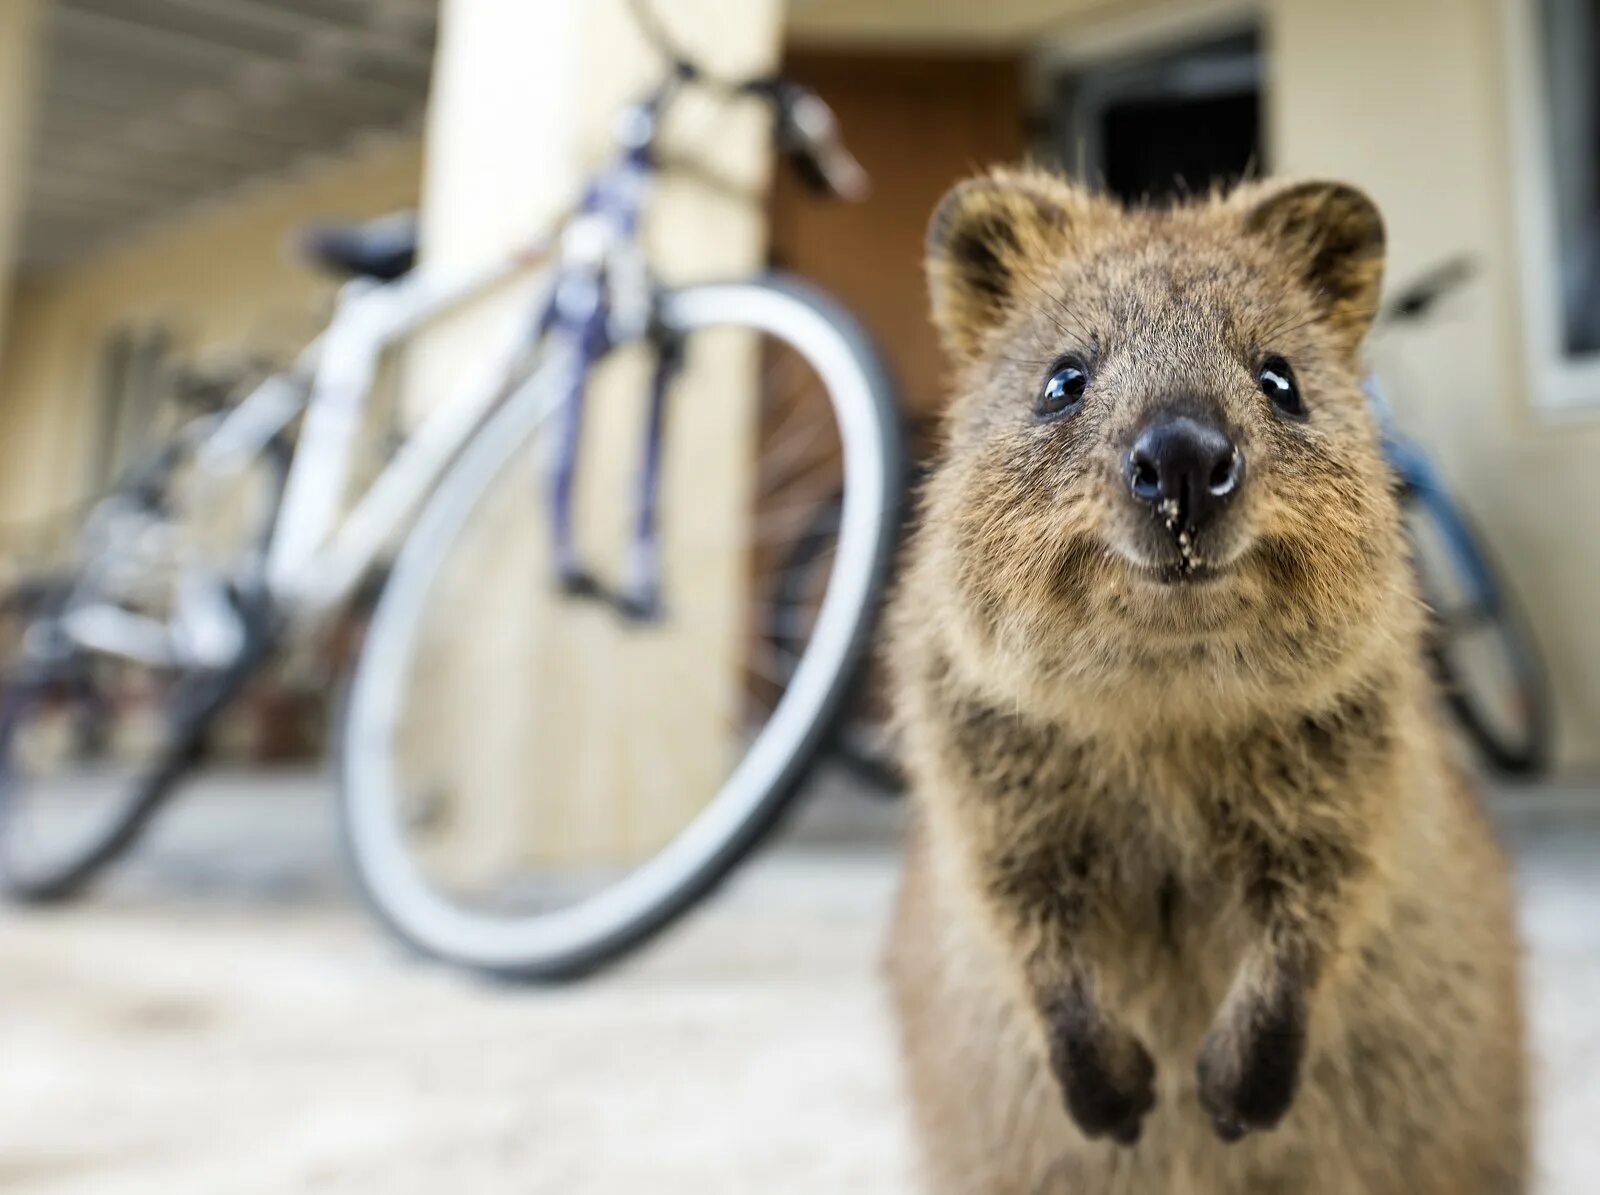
(1160, 125)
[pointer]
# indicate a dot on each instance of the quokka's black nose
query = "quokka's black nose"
(1187, 470)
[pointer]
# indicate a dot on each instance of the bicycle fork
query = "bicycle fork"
(638, 598)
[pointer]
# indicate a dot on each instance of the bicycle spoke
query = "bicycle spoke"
(799, 466)
(775, 398)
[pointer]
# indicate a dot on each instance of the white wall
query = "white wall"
(220, 280)
(19, 40)
(1408, 99)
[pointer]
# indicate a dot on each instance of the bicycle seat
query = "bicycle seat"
(381, 249)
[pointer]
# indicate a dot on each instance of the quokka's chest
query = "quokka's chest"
(1166, 924)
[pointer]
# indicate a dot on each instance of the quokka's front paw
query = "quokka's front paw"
(1106, 1075)
(1249, 1065)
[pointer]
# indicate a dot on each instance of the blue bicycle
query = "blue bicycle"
(1484, 651)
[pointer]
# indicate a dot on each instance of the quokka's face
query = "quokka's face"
(1159, 422)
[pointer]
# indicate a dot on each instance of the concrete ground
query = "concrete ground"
(221, 1019)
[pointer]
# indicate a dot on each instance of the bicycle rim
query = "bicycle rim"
(85, 755)
(92, 743)
(861, 740)
(625, 767)
(1484, 653)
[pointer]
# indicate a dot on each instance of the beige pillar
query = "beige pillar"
(528, 697)
(19, 52)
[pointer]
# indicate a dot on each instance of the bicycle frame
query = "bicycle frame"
(596, 294)
(318, 555)
(599, 294)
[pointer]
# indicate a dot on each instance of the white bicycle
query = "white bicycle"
(648, 725)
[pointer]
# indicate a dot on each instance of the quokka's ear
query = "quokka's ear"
(1334, 237)
(990, 240)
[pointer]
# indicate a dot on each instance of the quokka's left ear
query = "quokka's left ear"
(990, 241)
(1334, 236)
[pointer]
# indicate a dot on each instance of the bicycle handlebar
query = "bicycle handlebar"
(1414, 301)
(806, 130)
(808, 135)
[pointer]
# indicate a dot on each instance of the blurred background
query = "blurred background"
(219, 1016)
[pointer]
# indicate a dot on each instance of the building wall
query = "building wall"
(19, 33)
(1409, 100)
(220, 280)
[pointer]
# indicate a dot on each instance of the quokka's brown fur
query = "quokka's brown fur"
(1195, 901)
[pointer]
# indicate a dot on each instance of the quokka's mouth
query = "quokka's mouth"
(1166, 561)
(1180, 573)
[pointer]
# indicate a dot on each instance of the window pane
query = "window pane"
(1572, 54)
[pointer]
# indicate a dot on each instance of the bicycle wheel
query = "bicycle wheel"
(624, 767)
(89, 751)
(92, 741)
(860, 739)
(1484, 652)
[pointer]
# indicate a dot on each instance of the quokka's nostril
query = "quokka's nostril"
(1145, 479)
(1225, 476)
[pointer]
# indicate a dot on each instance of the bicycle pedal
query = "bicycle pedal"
(641, 608)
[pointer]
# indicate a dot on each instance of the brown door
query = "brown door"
(918, 124)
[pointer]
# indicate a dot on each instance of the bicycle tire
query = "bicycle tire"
(751, 802)
(1524, 750)
(145, 798)
(196, 700)
(861, 749)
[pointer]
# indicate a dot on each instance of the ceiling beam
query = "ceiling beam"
(155, 107)
(175, 48)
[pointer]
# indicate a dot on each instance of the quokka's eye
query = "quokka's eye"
(1277, 382)
(1063, 389)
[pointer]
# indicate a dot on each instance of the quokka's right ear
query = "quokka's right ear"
(1333, 236)
(990, 239)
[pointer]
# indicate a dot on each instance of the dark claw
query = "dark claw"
(1228, 1129)
(1247, 1080)
(1102, 1105)
(1106, 1076)
(1128, 1132)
